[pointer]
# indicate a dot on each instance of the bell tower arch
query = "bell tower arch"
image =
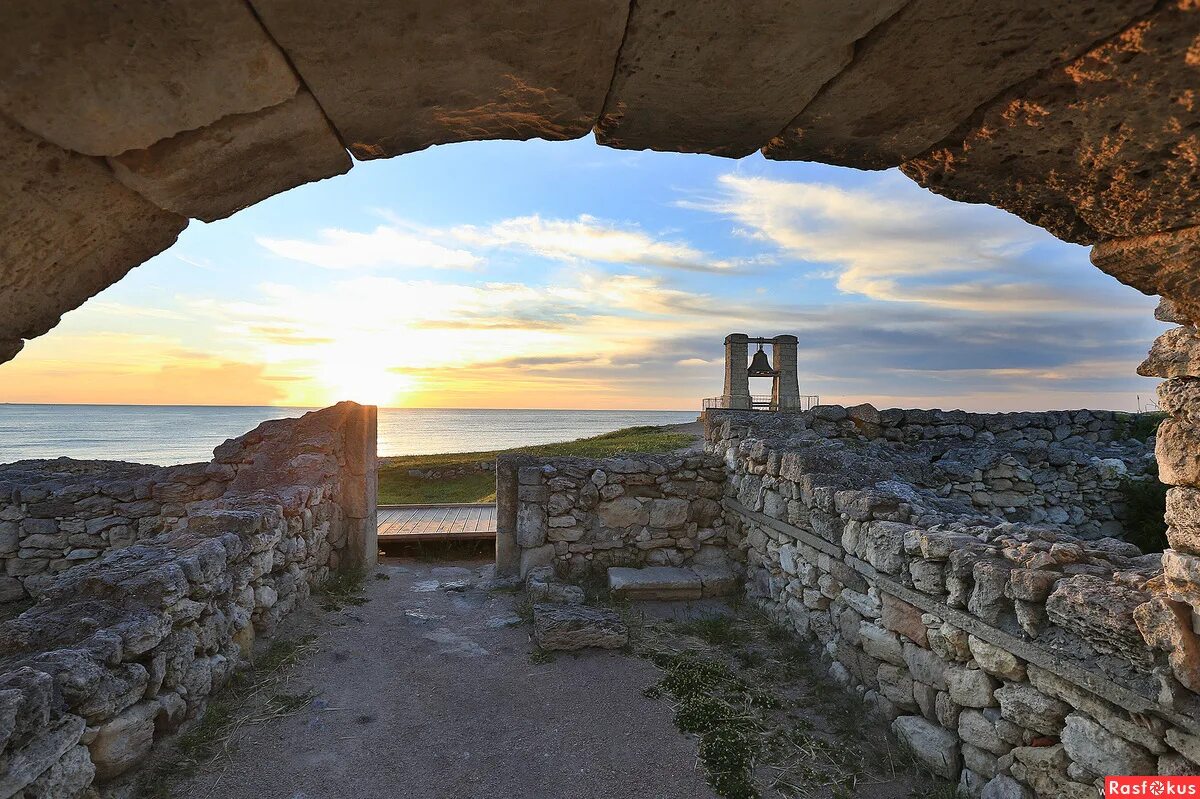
(781, 368)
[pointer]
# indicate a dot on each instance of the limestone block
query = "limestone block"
(896, 685)
(1176, 353)
(988, 600)
(1145, 731)
(668, 513)
(1157, 263)
(880, 643)
(29, 761)
(570, 627)
(535, 557)
(395, 78)
(710, 77)
(1180, 397)
(996, 661)
(716, 578)
(970, 687)
(1100, 612)
(101, 79)
(1062, 151)
(654, 582)
(924, 72)
(975, 728)
(936, 747)
(214, 171)
(1167, 625)
(1177, 450)
(904, 619)
(1002, 786)
(1098, 750)
(1031, 585)
(1023, 704)
(622, 512)
(124, 741)
(925, 666)
(68, 778)
(531, 525)
(71, 230)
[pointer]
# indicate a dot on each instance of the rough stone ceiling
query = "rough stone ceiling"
(118, 122)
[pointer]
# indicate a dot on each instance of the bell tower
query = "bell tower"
(781, 368)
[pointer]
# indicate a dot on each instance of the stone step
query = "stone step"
(655, 582)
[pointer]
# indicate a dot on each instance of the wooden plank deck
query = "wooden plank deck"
(436, 522)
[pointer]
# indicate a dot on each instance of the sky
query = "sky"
(568, 275)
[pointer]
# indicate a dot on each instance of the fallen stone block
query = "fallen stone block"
(570, 627)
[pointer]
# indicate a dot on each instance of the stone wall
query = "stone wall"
(583, 515)
(56, 514)
(124, 648)
(1057, 467)
(1008, 653)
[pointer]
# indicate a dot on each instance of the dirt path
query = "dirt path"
(426, 692)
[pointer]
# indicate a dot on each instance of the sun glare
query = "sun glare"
(364, 380)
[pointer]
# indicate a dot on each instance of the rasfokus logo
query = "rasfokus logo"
(1151, 786)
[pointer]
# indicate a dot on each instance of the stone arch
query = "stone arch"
(118, 124)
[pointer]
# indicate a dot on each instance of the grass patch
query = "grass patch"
(1145, 506)
(342, 588)
(1138, 425)
(768, 724)
(254, 695)
(397, 487)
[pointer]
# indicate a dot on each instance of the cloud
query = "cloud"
(895, 242)
(385, 246)
(588, 239)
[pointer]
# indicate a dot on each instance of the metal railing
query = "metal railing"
(761, 402)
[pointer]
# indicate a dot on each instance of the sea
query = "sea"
(171, 434)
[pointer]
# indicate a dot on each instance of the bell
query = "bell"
(759, 367)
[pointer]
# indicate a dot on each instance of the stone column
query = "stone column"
(361, 487)
(785, 388)
(508, 554)
(1168, 622)
(737, 377)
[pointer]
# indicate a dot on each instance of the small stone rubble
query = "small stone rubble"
(124, 648)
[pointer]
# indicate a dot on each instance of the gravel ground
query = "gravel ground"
(426, 691)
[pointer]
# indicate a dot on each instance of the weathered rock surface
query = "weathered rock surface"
(395, 78)
(935, 747)
(1157, 263)
(1093, 149)
(103, 78)
(238, 160)
(924, 71)
(711, 77)
(654, 582)
(1176, 353)
(570, 627)
(70, 230)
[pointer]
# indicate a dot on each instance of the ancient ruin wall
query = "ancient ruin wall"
(124, 648)
(583, 515)
(1001, 651)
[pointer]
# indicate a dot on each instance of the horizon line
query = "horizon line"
(319, 407)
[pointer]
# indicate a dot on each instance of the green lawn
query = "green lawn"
(397, 487)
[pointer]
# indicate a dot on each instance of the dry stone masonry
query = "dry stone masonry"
(963, 574)
(580, 515)
(193, 565)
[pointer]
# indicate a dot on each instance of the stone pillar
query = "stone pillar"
(1170, 620)
(785, 388)
(737, 377)
(508, 554)
(361, 487)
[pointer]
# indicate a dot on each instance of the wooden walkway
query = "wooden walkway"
(436, 522)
